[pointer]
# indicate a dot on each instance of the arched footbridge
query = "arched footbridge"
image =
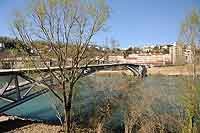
(18, 87)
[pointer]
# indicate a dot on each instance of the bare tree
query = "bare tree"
(190, 36)
(67, 28)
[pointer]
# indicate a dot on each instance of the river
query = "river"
(162, 93)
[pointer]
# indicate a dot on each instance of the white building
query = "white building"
(172, 53)
(147, 49)
(2, 46)
(142, 58)
(180, 55)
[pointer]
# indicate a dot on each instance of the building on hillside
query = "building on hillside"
(116, 59)
(176, 54)
(147, 49)
(180, 55)
(155, 59)
(2, 46)
(180, 59)
(142, 58)
(172, 53)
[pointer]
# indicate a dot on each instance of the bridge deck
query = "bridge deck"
(45, 69)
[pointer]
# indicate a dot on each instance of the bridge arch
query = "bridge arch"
(135, 69)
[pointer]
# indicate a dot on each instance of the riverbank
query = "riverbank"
(163, 70)
(173, 70)
(24, 126)
(39, 128)
(10, 123)
(16, 125)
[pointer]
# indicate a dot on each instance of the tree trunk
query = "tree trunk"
(69, 104)
(65, 106)
(190, 125)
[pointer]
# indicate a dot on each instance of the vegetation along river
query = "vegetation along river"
(114, 98)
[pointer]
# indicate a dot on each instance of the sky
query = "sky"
(132, 22)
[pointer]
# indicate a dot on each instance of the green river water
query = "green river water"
(164, 90)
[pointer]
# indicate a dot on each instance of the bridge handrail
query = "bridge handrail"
(67, 67)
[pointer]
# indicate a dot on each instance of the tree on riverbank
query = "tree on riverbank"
(190, 36)
(60, 23)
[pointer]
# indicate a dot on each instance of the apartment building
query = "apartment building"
(149, 58)
(143, 58)
(178, 55)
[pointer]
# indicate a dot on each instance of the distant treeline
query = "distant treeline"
(9, 42)
(16, 45)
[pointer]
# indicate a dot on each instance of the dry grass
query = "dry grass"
(39, 128)
(45, 128)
